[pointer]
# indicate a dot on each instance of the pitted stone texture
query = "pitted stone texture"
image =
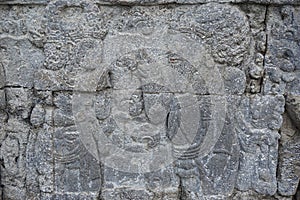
(258, 137)
(282, 77)
(220, 76)
(282, 58)
(13, 155)
(154, 2)
(255, 196)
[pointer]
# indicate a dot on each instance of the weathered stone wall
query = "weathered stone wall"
(149, 99)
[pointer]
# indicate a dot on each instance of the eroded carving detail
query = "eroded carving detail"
(209, 80)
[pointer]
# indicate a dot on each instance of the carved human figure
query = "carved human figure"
(258, 137)
(156, 115)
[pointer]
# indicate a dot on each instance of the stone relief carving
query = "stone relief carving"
(258, 138)
(149, 100)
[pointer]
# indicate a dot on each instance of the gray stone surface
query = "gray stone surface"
(142, 99)
(153, 2)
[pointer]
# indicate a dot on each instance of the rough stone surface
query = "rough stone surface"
(145, 99)
(153, 2)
